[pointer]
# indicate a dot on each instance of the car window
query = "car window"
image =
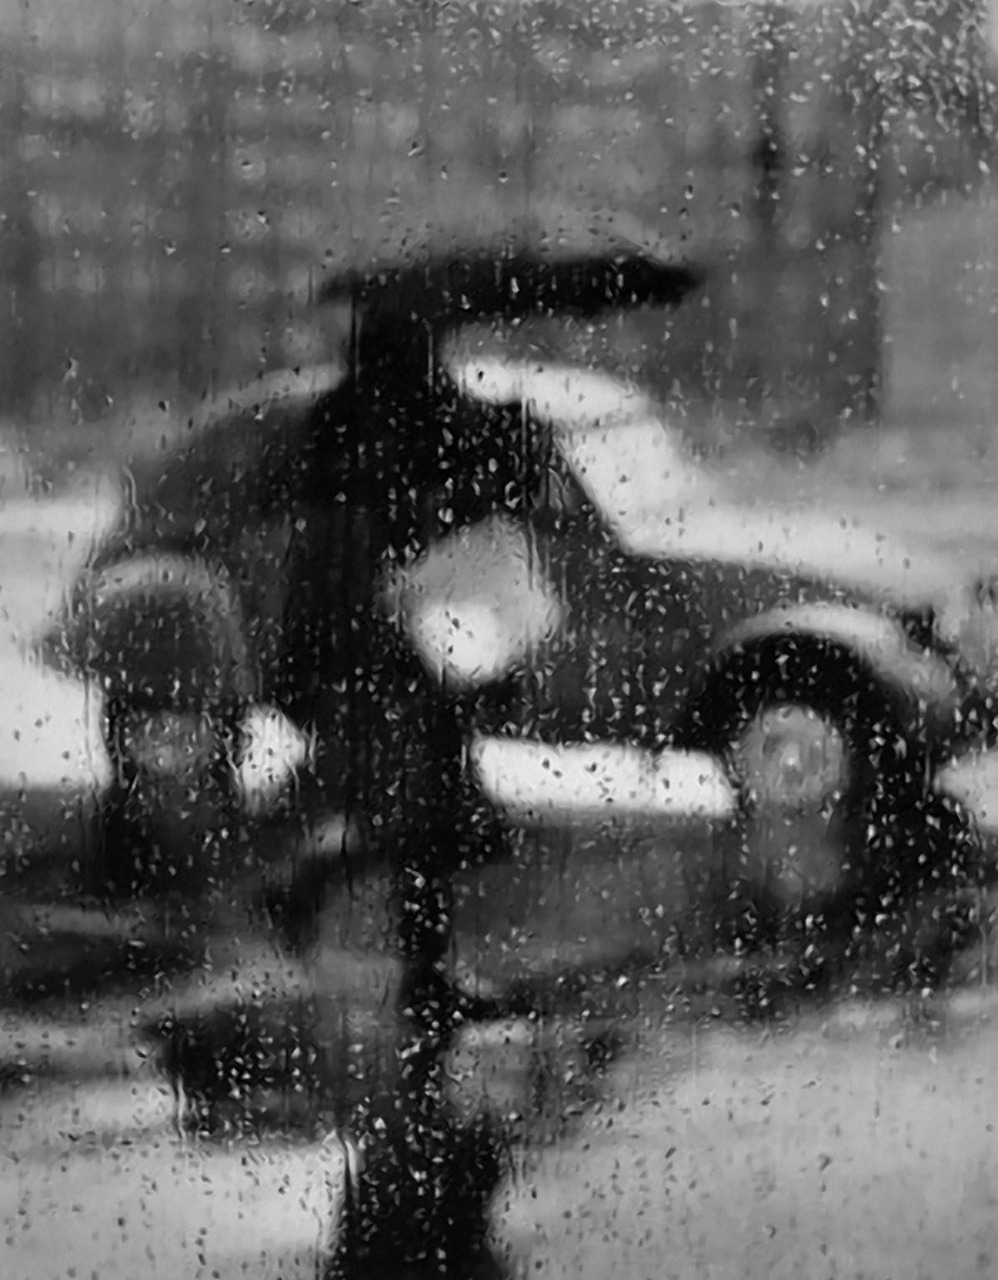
(498, 638)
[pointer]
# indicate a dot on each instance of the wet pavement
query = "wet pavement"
(95, 1181)
(857, 1141)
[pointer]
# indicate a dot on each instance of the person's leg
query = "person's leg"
(422, 1202)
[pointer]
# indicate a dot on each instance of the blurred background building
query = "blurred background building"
(179, 179)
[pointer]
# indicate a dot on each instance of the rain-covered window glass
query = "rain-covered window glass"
(498, 638)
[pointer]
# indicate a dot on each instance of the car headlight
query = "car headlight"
(272, 751)
(464, 644)
(476, 603)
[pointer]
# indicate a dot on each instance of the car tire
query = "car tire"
(164, 644)
(842, 859)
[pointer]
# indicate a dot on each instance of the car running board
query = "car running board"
(543, 784)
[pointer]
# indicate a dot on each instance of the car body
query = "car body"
(626, 588)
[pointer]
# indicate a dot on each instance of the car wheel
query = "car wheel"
(164, 642)
(794, 770)
(842, 858)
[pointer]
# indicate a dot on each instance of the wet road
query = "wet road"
(856, 1143)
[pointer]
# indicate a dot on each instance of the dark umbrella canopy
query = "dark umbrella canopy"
(401, 306)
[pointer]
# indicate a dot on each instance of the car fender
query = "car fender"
(921, 675)
(136, 581)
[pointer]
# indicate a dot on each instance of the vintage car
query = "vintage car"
(462, 675)
(417, 556)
